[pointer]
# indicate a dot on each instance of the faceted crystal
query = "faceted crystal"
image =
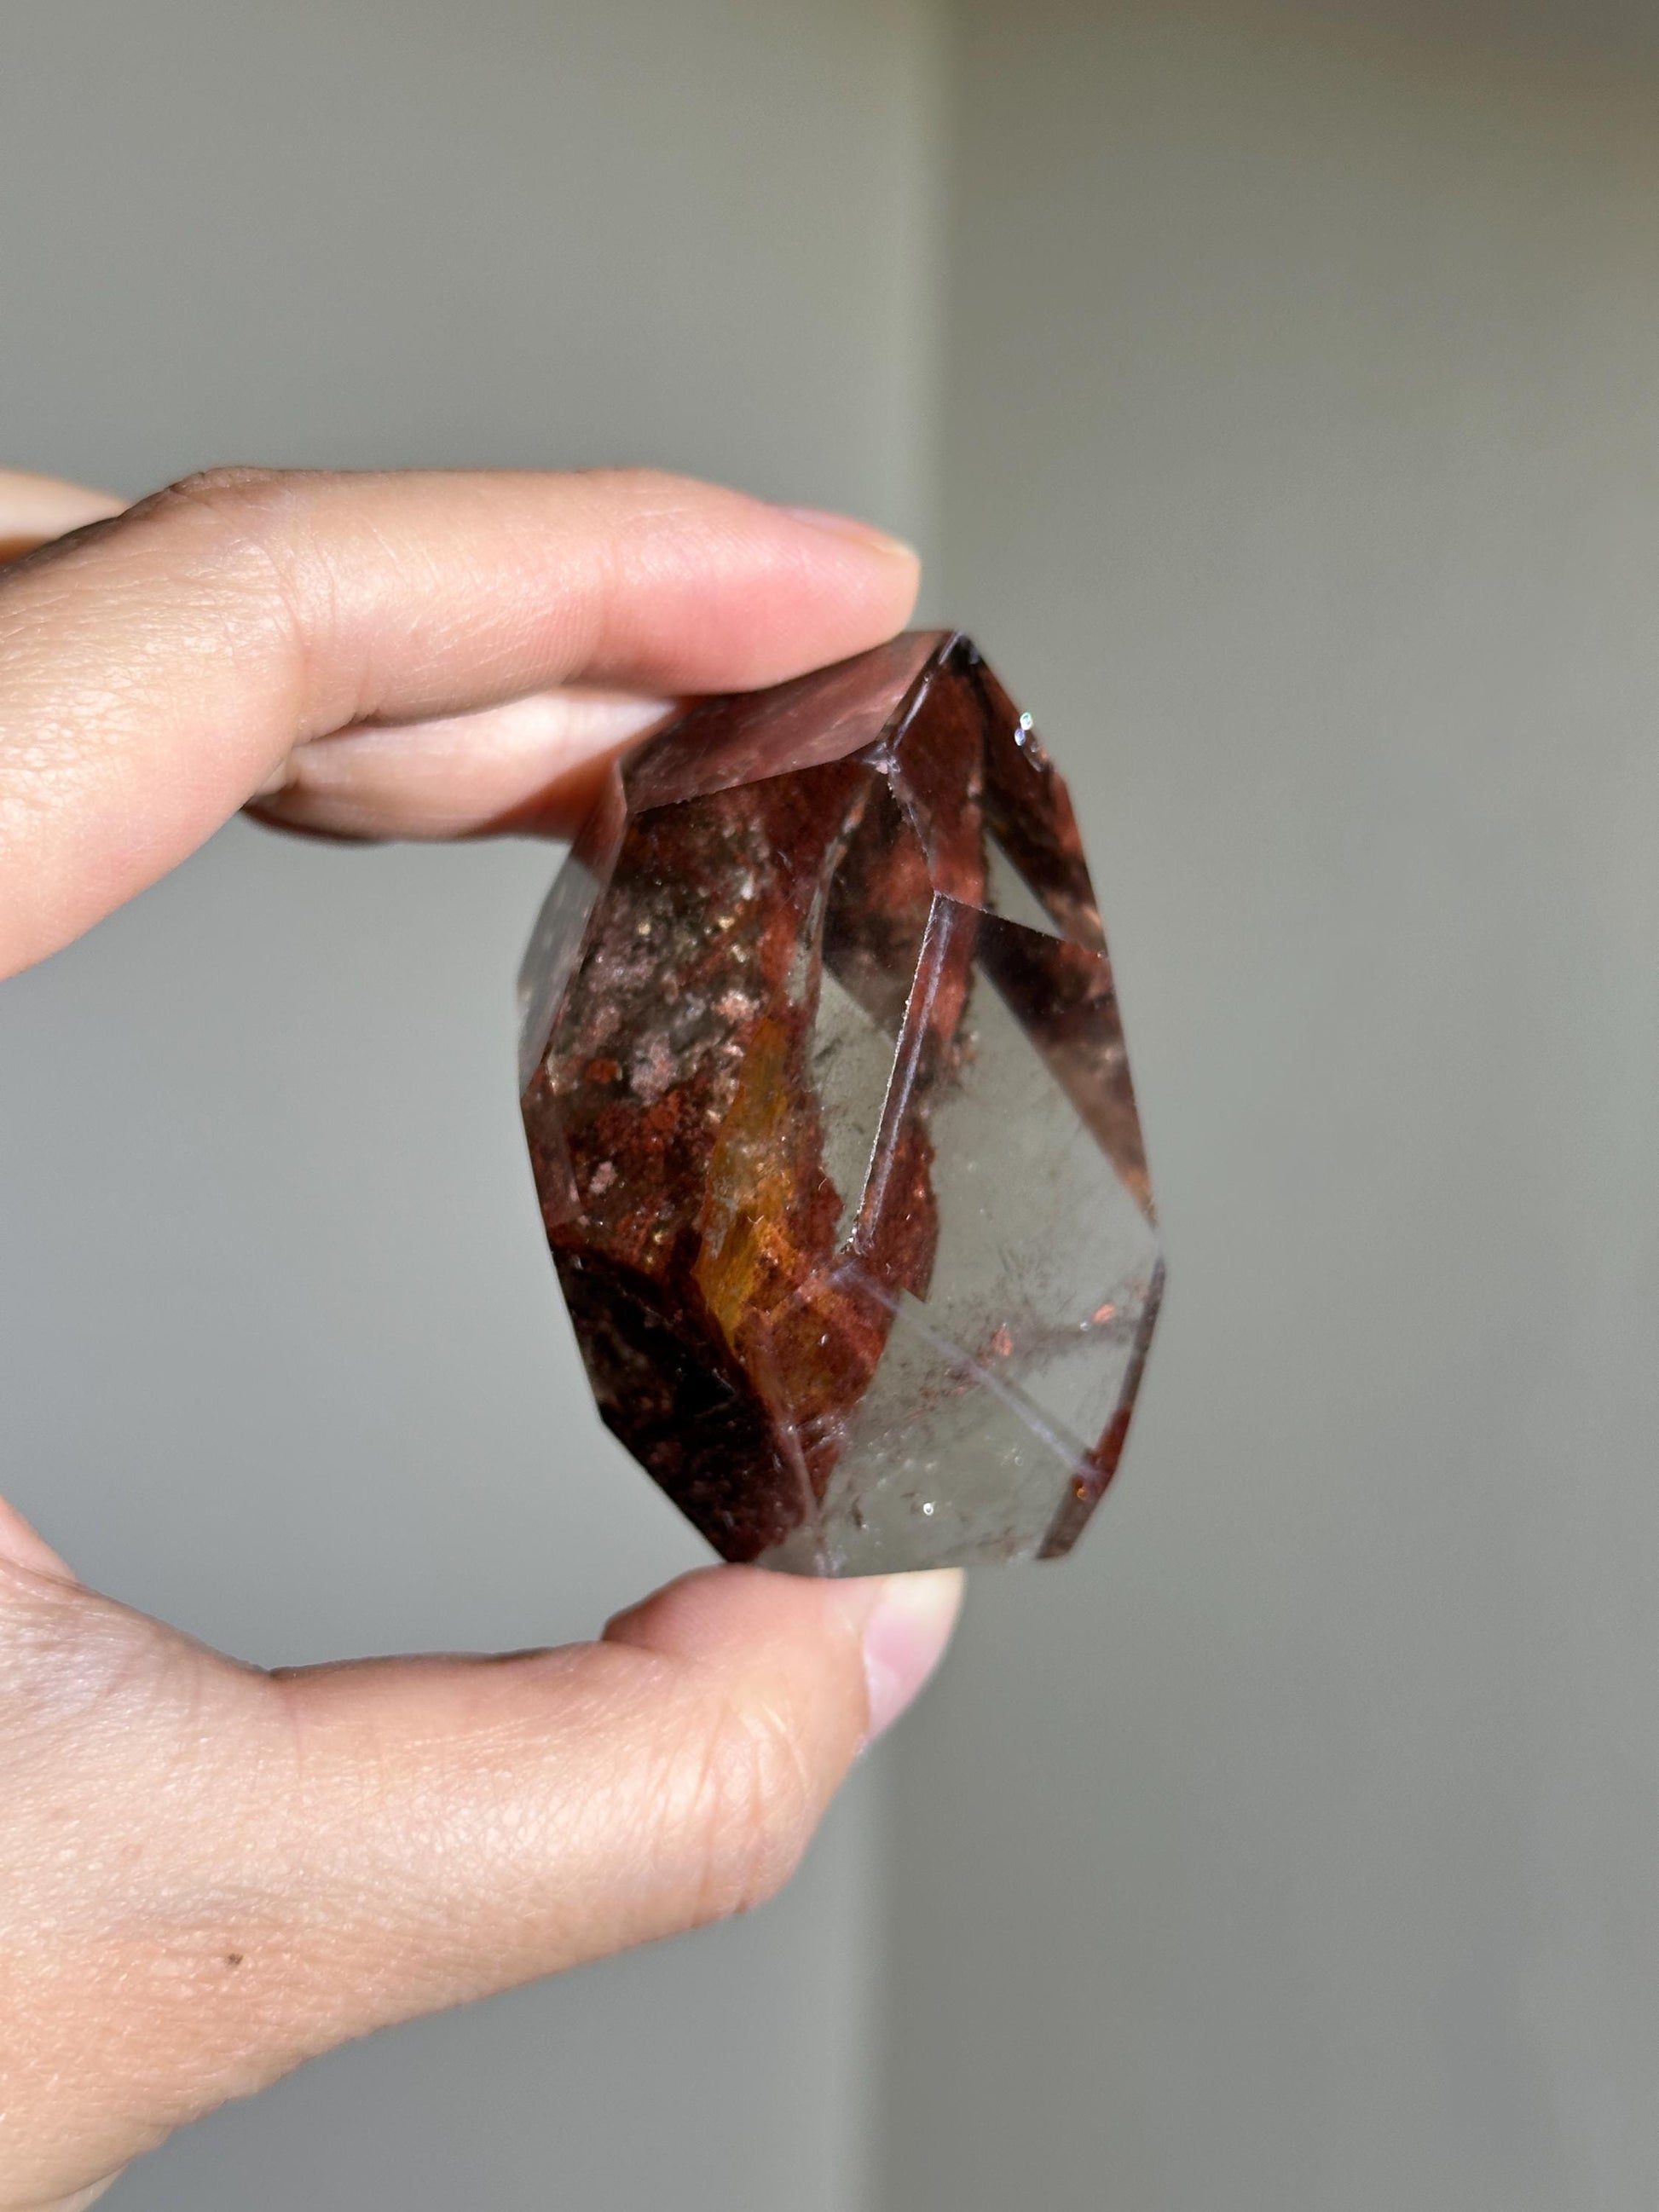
(832, 1124)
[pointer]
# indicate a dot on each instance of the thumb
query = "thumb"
(208, 1876)
(533, 1812)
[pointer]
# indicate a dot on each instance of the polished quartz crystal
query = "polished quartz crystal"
(832, 1125)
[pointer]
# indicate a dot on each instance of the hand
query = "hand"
(208, 1874)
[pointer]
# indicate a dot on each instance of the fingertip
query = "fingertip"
(726, 591)
(715, 1610)
(879, 575)
(905, 1636)
(881, 542)
(888, 1632)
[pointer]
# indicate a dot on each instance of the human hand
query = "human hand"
(208, 1874)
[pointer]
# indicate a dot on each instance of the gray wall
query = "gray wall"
(1294, 1847)
(280, 1356)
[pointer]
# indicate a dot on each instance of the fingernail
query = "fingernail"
(904, 1639)
(848, 526)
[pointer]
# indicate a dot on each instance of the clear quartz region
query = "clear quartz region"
(832, 1124)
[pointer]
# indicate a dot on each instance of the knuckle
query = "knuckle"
(248, 530)
(241, 510)
(233, 492)
(757, 1804)
(245, 507)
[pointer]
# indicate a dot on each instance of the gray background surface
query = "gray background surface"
(1296, 1848)
(1284, 382)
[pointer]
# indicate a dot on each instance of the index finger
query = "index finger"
(157, 669)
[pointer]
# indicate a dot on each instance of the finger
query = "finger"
(210, 1875)
(33, 509)
(530, 1814)
(21, 1546)
(532, 764)
(158, 670)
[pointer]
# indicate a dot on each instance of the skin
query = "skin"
(208, 1874)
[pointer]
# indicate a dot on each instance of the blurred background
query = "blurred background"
(1274, 388)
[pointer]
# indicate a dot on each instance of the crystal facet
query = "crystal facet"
(832, 1124)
